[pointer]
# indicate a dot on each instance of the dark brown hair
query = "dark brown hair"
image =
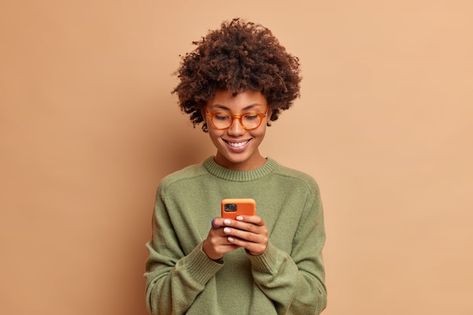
(239, 56)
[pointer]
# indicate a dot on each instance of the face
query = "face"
(237, 148)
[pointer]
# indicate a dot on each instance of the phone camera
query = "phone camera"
(230, 207)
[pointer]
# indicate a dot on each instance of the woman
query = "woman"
(237, 80)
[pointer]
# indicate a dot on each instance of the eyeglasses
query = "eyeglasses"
(223, 120)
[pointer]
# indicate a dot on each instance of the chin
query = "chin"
(235, 158)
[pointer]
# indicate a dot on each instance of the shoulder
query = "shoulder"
(298, 177)
(186, 174)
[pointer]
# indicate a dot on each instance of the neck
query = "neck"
(250, 164)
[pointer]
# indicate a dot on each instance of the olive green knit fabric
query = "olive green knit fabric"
(287, 279)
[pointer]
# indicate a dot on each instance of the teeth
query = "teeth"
(237, 144)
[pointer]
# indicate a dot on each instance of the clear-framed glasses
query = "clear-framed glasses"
(223, 120)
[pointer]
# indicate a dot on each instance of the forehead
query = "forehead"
(247, 100)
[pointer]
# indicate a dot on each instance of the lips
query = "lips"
(237, 146)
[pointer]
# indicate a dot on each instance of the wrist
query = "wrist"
(253, 253)
(215, 258)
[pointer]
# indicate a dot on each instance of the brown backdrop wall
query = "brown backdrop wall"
(88, 127)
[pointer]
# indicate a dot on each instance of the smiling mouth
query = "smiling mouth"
(236, 145)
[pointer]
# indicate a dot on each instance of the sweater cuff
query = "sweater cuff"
(199, 266)
(268, 261)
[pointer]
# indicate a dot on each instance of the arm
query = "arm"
(173, 279)
(295, 282)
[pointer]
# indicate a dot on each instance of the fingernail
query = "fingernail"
(227, 221)
(239, 218)
(226, 230)
(230, 239)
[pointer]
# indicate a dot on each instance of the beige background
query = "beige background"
(88, 127)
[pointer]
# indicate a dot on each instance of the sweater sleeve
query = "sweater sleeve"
(173, 279)
(295, 281)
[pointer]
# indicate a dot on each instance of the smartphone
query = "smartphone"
(231, 208)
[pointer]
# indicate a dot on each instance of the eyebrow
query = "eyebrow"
(245, 108)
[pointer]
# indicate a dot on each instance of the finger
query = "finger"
(218, 238)
(258, 227)
(253, 248)
(250, 227)
(254, 219)
(244, 235)
(217, 233)
(217, 222)
(240, 225)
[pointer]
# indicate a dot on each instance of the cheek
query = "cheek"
(215, 134)
(259, 133)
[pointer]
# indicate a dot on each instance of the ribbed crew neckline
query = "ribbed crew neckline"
(236, 175)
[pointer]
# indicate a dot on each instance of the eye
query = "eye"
(221, 116)
(251, 116)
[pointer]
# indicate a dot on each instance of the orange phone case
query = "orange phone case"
(245, 206)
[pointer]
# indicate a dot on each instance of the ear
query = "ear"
(203, 110)
(268, 116)
(205, 125)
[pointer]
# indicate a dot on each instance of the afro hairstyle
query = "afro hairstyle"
(238, 57)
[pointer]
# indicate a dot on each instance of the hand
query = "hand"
(217, 244)
(249, 232)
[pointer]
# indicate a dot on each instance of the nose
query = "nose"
(235, 128)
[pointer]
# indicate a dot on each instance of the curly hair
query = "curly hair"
(239, 56)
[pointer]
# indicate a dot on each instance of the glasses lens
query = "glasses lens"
(221, 120)
(251, 120)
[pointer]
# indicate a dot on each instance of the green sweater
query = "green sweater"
(287, 279)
